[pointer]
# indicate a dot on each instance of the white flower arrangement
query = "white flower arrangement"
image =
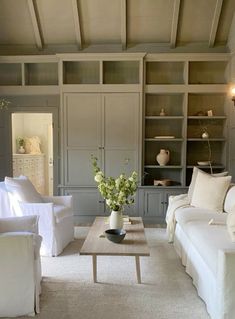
(117, 192)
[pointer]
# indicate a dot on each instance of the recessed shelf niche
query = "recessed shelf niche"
(164, 72)
(208, 72)
(121, 72)
(81, 72)
(10, 74)
(41, 73)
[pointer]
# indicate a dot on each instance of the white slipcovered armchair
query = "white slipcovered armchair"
(20, 267)
(55, 213)
(55, 222)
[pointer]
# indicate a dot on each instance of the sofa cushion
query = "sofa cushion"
(23, 190)
(192, 183)
(231, 225)
(6, 208)
(229, 202)
(16, 224)
(209, 191)
(188, 214)
(208, 240)
(194, 177)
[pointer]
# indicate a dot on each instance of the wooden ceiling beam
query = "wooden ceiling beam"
(77, 25)
(175, 22)
(215, 22)
(123, 24)
(35, 23)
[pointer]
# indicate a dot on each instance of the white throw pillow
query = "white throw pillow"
(229, 201)
(209, 191)
(23, 190)
(19, 224)
(193, 180)
(231, 224)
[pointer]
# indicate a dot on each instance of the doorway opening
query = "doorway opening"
(32, 149)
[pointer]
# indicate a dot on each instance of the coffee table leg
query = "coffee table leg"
(94, 262)
(137, 263)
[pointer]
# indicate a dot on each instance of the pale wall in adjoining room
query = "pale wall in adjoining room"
(32, 124)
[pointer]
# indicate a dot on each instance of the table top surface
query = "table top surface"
(134, 243)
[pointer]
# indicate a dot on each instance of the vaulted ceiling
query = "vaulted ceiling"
(50, 26)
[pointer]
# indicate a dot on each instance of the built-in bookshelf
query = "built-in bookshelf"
(178, 97)
(101, 71)
(182, 100)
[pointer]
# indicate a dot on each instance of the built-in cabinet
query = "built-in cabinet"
(153, 202)
(183, 99)
(29, 75)
(124, 108)
(32, 166)
(164, 131)
(105, 126)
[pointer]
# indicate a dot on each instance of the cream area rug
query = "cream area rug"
(167, 292)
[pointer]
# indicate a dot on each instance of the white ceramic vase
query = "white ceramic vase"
(163, 157)
(21, 150)
(115, 220)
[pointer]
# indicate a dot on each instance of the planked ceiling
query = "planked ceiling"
(50, 26)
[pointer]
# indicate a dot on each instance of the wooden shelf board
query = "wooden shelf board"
(30, 89)
(217, 117)
(166, 117)
(162, 187)
(222, 139)
(163, 139)
(207, 166)
(100, 88)
(165, 88)
(208, 88)
(164, 166)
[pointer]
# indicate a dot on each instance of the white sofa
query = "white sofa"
(208, 253)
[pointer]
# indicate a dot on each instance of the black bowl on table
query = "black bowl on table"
(115, 235)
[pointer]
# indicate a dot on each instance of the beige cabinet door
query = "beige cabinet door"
(82, 136)
(121, 123)
(121, 113)
(86, 201)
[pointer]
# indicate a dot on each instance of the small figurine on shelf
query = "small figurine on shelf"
(205, 133)
(20, 143)
(209, 113)
(162, 112)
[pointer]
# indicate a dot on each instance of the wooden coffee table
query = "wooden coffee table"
(134, 243)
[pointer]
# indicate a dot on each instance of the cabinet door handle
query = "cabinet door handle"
(101, 201)
(162, 203)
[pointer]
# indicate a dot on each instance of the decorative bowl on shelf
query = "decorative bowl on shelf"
(204, 163)
(115, 235)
